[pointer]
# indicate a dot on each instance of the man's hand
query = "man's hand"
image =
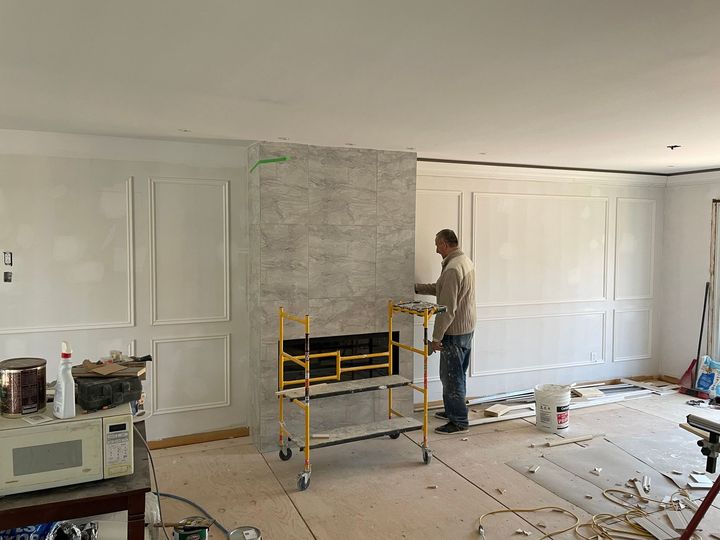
(435, 346)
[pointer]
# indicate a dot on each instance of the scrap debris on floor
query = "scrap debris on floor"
(632, 481)
(652, 505)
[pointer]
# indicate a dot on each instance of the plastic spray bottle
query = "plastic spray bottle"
(64, 402)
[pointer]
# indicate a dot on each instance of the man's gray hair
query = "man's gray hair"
(448, 236)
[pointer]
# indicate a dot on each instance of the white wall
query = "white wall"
(567, 269)
(686, 263)
(75, 211)
(135, 245)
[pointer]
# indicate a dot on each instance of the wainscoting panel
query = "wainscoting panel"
(191, 373)
(533, 249)
(189, 244)
(632, 334)
(634, 248)
(68, 224)
(435, 210)
(527, 343)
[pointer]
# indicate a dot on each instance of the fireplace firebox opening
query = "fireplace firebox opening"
(349, 345)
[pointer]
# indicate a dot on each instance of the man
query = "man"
(453, 331)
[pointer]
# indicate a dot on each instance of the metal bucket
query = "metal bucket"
(22, 386)
(245, 533)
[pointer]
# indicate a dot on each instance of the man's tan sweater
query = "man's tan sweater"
(454, 289)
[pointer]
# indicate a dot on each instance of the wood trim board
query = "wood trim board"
(199, 438)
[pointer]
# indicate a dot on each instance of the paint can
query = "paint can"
(245, 533)
(192, 528)
(552, 407)
(22, 386)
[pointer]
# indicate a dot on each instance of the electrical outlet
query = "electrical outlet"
(7, 258)
(7, 277)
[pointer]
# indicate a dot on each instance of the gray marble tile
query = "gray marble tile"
(402, 322)
(283, 261)
(396, 189)
(284, 185)
(340, 316)
(340, 204)
(268, 364)
(330, 269)
(282, 201)
(343, 185)
(341, 261)
(297, 155)
(267, 438)
(397, 171)
(395, 264)
(396, 210)
(352, 166)
(269, 316)
(270, 149)
(253, 186)
(253, 276)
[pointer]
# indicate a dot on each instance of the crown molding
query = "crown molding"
(529, 174)
(694, 179)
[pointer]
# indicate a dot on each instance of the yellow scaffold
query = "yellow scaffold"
(395, 424)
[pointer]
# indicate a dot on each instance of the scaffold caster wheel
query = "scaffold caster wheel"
(303, 481)
(394, 435)
(285, 454)
(427, 455)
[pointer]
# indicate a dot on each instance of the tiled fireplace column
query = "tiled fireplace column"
(332, 235)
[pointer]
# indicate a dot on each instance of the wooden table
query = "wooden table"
(87, 499)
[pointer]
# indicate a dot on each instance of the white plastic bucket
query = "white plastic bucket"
(552, 407)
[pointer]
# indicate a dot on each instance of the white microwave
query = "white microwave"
(87, 447)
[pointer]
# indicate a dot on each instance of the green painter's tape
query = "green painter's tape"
(269, 160)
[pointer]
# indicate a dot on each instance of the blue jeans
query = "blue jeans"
(454, 362)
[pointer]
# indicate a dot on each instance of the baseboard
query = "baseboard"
(199, 438)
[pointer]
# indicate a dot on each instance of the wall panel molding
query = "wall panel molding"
(479, 358)
(603, 286)
(647, 259)
(435, 221)
(157, 366)
(643, 354)
(130, 294)
(224, 311)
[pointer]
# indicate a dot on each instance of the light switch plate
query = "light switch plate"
(7, 258)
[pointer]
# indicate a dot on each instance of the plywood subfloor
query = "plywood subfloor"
(380, 488)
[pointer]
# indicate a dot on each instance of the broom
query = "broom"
(690, 377)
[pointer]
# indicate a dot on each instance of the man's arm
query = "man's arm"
(448, 298)
(425, 288)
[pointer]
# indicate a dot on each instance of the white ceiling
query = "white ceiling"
(602, 84)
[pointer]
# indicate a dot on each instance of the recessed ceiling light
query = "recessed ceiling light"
(481, 153)
(671, 166)
(349, 144)
(283, 139)
(183, 130)
(410, 148)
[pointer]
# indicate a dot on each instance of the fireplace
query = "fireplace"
(332, 234)
(350, 345)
